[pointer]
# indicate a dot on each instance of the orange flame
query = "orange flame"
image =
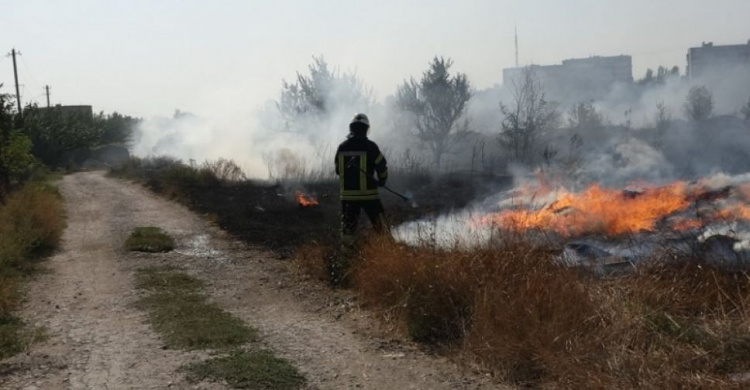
(613, 212)
(598, 210)
(743, 190)
(685, 224)
(305, 200)
(734, 213)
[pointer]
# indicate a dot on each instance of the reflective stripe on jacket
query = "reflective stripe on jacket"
(357, 161)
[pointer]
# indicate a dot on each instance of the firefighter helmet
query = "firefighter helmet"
(361, 118)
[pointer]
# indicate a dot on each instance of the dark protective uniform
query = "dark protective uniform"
(357, 161)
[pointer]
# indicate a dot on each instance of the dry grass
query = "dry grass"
(31, 224)
(313, 260)
(223, 171)
(679, 324)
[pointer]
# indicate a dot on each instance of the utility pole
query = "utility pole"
(46, 87)
(15, 74)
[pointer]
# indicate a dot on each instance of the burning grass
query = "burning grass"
(305, 200)
(676, 322)
(619, 212)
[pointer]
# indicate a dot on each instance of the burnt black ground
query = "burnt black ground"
(268, 215)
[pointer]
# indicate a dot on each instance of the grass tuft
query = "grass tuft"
(15, 336)
(11, 341)
(149, 239)
(187, 320)
(167, 279)
(183, 316)
(248, 370)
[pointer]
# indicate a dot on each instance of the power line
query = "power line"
(23, 90)
(31, 76)
(27, 92)
(515, 29)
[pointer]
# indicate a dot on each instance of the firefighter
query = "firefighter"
(358, 160)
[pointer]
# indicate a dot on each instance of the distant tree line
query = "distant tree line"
(662, 75)
(433, 108)
(48, 136)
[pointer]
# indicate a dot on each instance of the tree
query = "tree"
(663, 119)
(436, 105)
(314, 97)
(6, 112)
(525, 121)
(662, 75)
(16, 161)
(648, 78)
(746, 111)
(6, 120)
(699, 104)
(54, 133)
(117, 128)
(585, 117)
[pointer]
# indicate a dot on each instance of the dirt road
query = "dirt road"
(99, 339)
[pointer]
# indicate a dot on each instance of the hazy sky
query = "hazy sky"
(148, 58)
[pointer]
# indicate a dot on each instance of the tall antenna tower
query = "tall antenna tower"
(516, 30)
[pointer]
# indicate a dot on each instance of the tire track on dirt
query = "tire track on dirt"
(100, 340)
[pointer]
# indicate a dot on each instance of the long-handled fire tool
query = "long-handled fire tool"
(404, 197)
(409, 199)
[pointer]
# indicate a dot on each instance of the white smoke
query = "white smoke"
(257, 138)
(262, 140)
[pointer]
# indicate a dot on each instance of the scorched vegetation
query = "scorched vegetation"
(533, 299)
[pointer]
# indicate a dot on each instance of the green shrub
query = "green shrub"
(16, 159)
